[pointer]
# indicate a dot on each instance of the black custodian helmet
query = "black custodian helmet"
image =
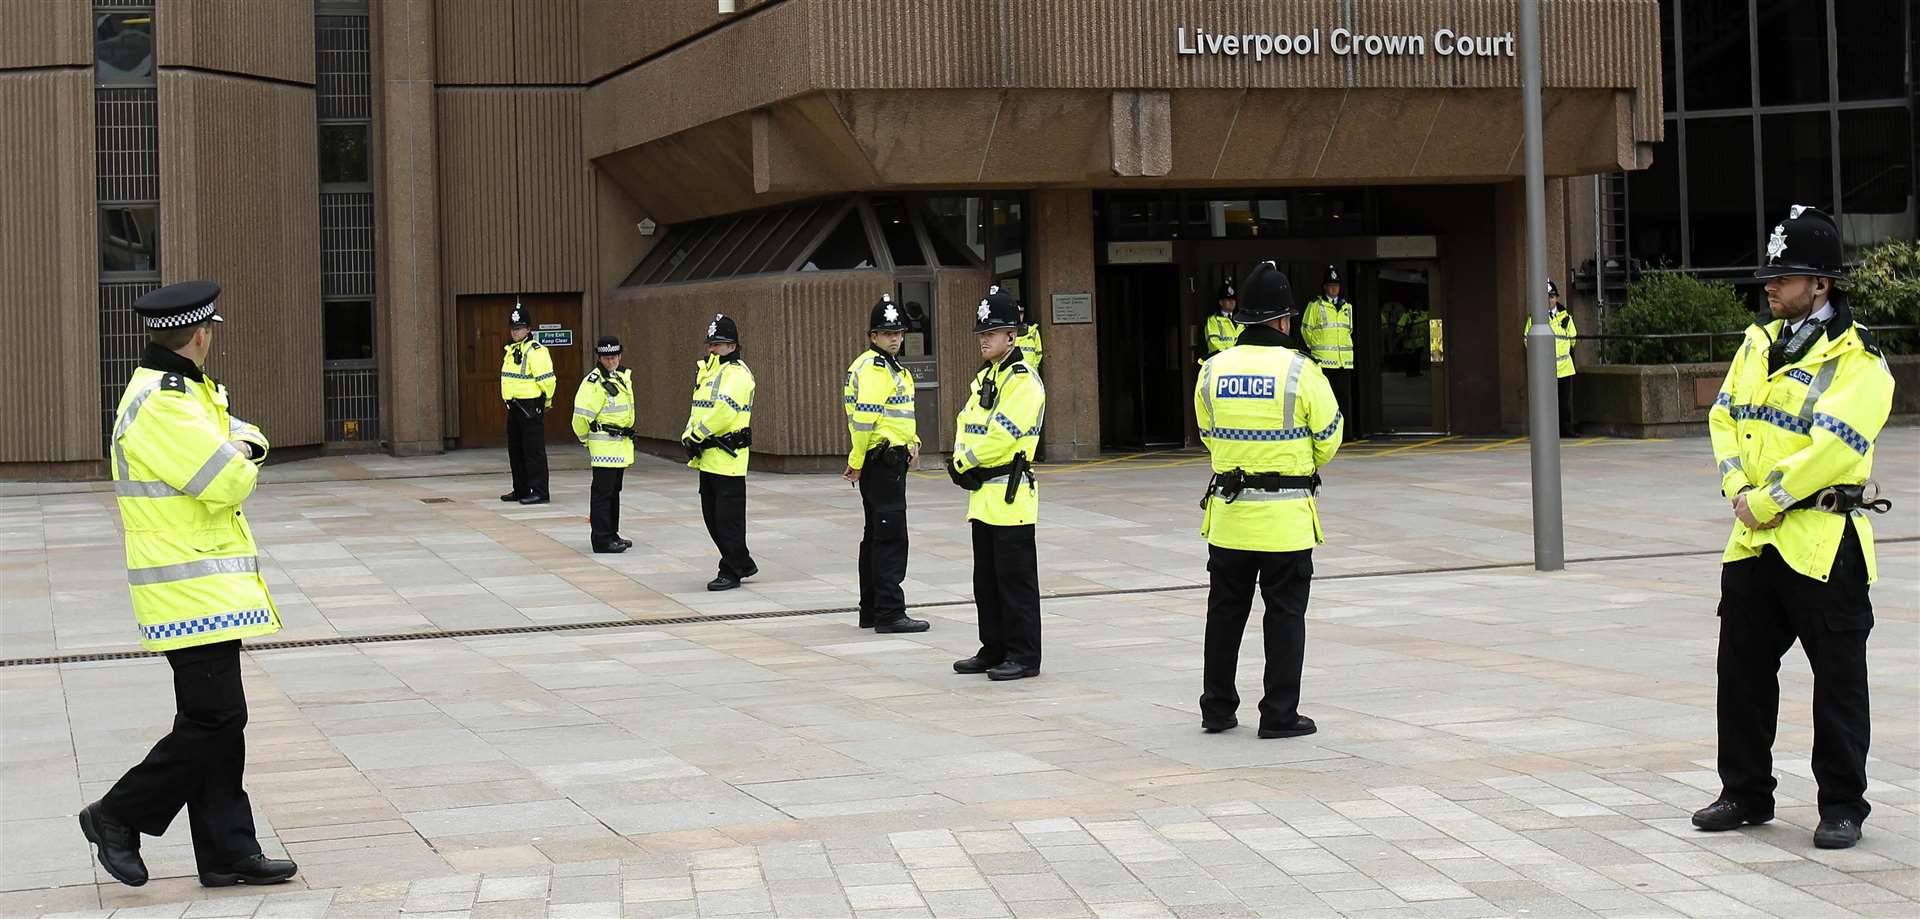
(607, 346)
(722, 329)
(1806, 243)
(886, 316)
(1331, 276)
(1226, 291)
(997, 311)
(1265, 295)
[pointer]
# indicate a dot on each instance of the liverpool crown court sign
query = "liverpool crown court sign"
(1445, 42)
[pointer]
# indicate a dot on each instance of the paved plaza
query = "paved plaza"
(1493, 741)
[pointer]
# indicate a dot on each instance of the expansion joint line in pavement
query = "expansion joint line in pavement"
(824, 611)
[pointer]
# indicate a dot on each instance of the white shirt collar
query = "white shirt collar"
(1824, 313)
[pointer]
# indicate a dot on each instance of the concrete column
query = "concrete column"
(1060, 249)
(407, 210)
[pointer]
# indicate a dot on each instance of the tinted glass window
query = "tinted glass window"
(1796, 161)
(802, 237)
(681, 245)
(1009, 232)
(766, 237)
(1793, 51)
(1713, 36)
(1876, 177)
(897, 229)
(739, 235)
(348, 330)
(130, 238)
(1873, 48)
(652, 260)
(844, 248)
(1653, 205)
(721, 227)
(1720, 192)
(1668, 76)
(958, 228)
(343, 153)
(123, 47)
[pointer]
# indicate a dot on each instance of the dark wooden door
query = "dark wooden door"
(483, 333)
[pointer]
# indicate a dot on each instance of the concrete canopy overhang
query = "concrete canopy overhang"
(813, 97)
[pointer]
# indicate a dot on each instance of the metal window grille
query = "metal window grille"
(122, 339)
(343, 68)
(127, 143)
(353, 403)
(346, 244)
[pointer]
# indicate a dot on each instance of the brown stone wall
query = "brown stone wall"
(413, 395)
(266, 38)
(43, 34)
(1061, 248)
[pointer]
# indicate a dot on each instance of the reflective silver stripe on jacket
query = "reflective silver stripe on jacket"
(1818, 389)
(1284, 494)
(126, 488)
(210, 469)
(1293, 386)
(1731, 465)
(126, 421)
(898, 413)
(863, 425)
(584, 412)
(186, 571)
(606, 436)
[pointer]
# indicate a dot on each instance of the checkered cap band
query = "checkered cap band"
(607, 349)
(197, 314)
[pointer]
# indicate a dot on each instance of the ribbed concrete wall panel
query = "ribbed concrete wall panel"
(546, 40)
(239, 204)
(554, 190)
(959, 292)
(49, 256)
(267, 38)
(616, 33)
(480, 218)
(474, 41)
(46, 33)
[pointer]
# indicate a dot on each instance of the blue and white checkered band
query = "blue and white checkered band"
(197, 314)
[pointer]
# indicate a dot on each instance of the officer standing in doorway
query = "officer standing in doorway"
(879, 403)
(1564, 333)
(999, 430)
(182, 465)
(1270, 421)
(1221, 330)
(718, 433)
(1793, 432)
(603, 420)
(526, 385)
(1327, 329)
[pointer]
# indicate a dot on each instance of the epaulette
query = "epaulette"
(1020, 368)
(1867, 342)
(593, 376)
(536, 343)
(174, 382)
(879, 361)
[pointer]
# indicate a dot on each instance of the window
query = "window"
(1793, 51)
(123, 47)
(130, 237)
(1720, 192)
(343, 154)
(1876, 177)
(1796, 161)
(845, 248)
(954, 227)
(1009, 233)
(347, 330)
(1667, 73)
(1872, 48)
(1713, 36)
(903, 244)
(789, 252)
(772, 231)
(696, 254)
(1654, 203)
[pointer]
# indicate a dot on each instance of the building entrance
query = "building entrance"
(483, 333)
(1145, 383)
(1401, 380)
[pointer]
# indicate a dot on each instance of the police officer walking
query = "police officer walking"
(1221, 330)
(1270, 421)
(603, 420)
(1564, 333)
(182, 466)
(999, 429)
(1793, 432)
(879, 403)
(1327, 329)
(526, 385)
(718, 433)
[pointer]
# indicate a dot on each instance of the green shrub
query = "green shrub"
(1885, 290)
(1663, 302)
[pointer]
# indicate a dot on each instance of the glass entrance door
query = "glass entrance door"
(1404, 391)
(1143, 368)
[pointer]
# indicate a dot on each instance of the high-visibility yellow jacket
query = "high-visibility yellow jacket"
(722, 404)
(1222, 332)
(1561, 322)
(605, 399)
(1029, 343)
(1327, 329)
(992, 430)
(1788, 433)
(179, 479)
(526, 372)
(879, 400)
(1263, 407)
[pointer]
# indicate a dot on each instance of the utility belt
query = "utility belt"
(614, 429)
(1844, 499)
(1229, 485)
(532, 407)
(973, 479)
(889, 454)
(731, 442)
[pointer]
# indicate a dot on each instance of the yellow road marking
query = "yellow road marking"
(1424, 443)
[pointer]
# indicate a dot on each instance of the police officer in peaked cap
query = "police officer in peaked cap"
(879, 400)
(603, 420)
(1793, 434)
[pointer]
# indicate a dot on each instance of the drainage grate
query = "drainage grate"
(436, 500)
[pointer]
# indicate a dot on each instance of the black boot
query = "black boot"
(1723, 815)
(254, 869)
(1836, 834)
(902, 624)
(119, 845)
(1301, 726)
(723, 582)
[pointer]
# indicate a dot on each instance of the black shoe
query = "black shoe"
(119, 846)
(972, 665)
(1836, 834)
(1008, 670)
(611, 548)
(536, 499)
(723, 583)
(254, 869)
(623, 541)
(1723, 815)
(511, 497)
(750, 572)
(900, 625)
(1214, 727)
(1300, 727)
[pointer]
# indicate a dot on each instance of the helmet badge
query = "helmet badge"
(1777, 243)
(984, 310)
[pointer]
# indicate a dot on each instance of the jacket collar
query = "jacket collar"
(1262, 336)
(891, 360)
(1839, 338)
(166, 361)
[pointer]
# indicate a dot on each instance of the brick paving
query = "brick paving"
(1494, 741)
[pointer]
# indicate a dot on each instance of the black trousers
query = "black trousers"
(1342, 383)
(527, 446)
(1764, 606)
(883, 539)
(1284, 579)
(1006, 593)
(199, 765)
(603, 504)
(723, 502)
(1565, 387)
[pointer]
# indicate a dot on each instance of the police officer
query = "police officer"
(526, 385)
(603, 420)
(1564, 333)
(182, 465)
(879, 403)
(1327, 329)
(1221, 330)
(1793, 432)
(1270, 421)
(717, 436)
(1029, 340)
(999, 429)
